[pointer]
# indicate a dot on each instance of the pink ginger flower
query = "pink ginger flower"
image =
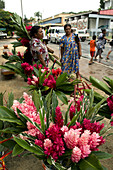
(48, 143)
(64, 129)
(71, 138)
(76, 155)
(84, 139)
(85, 151)
(39, 143)
(9, 53)
(94, 140)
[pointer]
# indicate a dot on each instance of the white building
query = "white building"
(108, 4)
(92, 21)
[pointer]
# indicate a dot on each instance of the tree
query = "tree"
(2, 4)
(102, 4)
(6, 21)
(38, 15)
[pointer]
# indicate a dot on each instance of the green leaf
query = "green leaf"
(102, 155)
(90, 163)
(1, 125)
(36, 72)
(62, 97)
(10, 100)
(13, 130)
(17, 150)
(100, 85)
(66, 115)
(27, 146)
(49, 102)
(109, 81)
(49, 160)
(61, 79)
(33, 123)
(1, 99)
(74, 167)
(74, 119)
(36, 99)
(54, 105)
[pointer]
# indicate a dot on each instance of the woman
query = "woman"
(69, 52)
(37, 48)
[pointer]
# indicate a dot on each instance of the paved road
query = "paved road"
(6, 41)
(86, 52)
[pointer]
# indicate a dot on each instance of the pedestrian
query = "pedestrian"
(92, 48)
(111, 44)
(37, 48)
(100, 44)
(69, 52)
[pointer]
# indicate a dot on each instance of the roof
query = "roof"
(83, 13)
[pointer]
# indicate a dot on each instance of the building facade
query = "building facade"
(91, 21)
(108, 4)
(59, 19)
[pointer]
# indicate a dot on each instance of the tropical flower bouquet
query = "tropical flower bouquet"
(60, 140)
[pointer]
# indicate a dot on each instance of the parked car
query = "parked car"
(55, 34)
(3, 35)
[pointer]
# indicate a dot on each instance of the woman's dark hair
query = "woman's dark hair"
(34, 30)
(67, 25)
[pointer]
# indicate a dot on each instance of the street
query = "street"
(85, 50)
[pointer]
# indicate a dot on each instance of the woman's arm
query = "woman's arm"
(80, 49)
(40, 57)
(61, 51)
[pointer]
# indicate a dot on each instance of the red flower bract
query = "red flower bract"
(50, 82)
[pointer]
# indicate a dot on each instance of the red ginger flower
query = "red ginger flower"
(58, 118)
(110, 103)
(25, 42)
(50, 82)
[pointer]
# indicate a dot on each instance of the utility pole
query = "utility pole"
(22, 10)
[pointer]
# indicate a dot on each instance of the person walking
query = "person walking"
(69, 52)
(92, 48)
(111, 44)
(100, 44)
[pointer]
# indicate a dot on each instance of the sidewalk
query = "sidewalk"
(97, 70)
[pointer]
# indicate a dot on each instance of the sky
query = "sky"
(49, 8)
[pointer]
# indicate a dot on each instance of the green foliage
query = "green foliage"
(102, 4)
(2, 4)
(5, 21)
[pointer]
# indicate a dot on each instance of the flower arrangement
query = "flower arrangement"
(50, 135)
